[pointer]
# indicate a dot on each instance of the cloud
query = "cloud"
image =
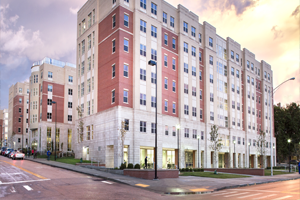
(73, 10)
(296, 11)
(277, 33)
(239, 5)
(14, 19)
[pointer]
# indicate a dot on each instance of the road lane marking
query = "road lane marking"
(106, 182)
(256, 190)
(142, 185)
(27, 187)
(223, 193)
(265, 196)
(39, 176)
(248, 196)
(285, 197)
(7, 183)
(199, 190)
(13, 189)
(236, 194)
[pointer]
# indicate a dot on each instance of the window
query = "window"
(174, 131)
(248, 79)
(194, 51)
(185, 47)
(238, 105)
(113, 96)
(49, 115)
(143, 74)
(143, 4)
(174, 108)
(186, 88)
(232, 87)
(70, 79)
(125, 72)
(126, 125)
(186, 133)
(258, 72)
(201, 114)
(211, 60)
(142, 126)
(114, 21)
(125, 96)
(194, 111)
(19, 119)
(153, 102)
(233, 104)
(126, 44)
(89, 85)
(83, 46)
(142, 50)
(248, 64)
(89, 42)
(19, 130)
(20, 100)
(113, 70)
(193, 31)
(193, 71)
(50, 88)
(69, 118)
(232, 71)
(232, 55)
(142, 99)
(211, 98)
(268, 76)
(233, 121)
(200, 92)
(153, 8)
(153, 77)
(70, 104)
(211, 42)
(185, 27)
(153, 31)
(166, 105)
(165, 17)
(252, 81)
(200, 57)
(49, 74)
(153, 54)
(237, 58)
(82, 89)
(166, 130)
(186, 68)
(173, 43)
(200, 37)
(82, 68)
(113, 46)
(237, 73)
(212, 116)
(194, 91)
(172, 21)
(49, 102)
(166, 83)
(200, 75)
(186, 109)
(165, 60)
(252, 66)
(153, 128)
(173, 64)
(89, 63)
(211, 78)
(114, 1)
(126, 20)
(20, 90)
(143, 26)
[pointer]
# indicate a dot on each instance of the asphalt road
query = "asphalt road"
(22, 179)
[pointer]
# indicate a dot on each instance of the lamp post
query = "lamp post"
(54, 102)
(249, 153)
(234, 155)
(273, 92)
(273, 150)
(198, 137)
(22, 133)
(178, 127)
(153, 63)
(289, 141)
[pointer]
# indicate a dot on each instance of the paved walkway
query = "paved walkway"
(183, 184)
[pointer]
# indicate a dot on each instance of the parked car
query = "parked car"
(18, 155)
(3, 149)
(11, 154)
(7, 152)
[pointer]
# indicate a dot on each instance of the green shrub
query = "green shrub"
(137, 166)
(201, 170)
(116, 168)
(169, 166)
(130, 166)
(123, 166)
(182, 170)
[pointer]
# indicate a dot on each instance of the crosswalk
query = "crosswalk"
(255, 195)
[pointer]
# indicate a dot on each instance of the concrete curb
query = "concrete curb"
(90, 174)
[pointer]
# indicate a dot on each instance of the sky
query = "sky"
(33, 29)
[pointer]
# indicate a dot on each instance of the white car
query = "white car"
(18, 155)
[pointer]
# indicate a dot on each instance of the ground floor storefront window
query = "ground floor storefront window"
(149, 153)
(168, 159)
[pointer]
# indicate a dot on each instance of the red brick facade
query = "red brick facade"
(16, 114)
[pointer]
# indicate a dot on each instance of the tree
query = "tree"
(216, 142)
(261, 146)
(122, 137)
(80, 123)
(11, 139)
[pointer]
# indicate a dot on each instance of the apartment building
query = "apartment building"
(52, 90)
(4, 126)
(202, 80)
(18, 106)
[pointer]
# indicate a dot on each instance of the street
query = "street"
(23, 179)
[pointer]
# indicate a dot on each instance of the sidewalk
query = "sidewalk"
(184, 184)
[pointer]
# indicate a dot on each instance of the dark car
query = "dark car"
(7, 152)
(3, 149)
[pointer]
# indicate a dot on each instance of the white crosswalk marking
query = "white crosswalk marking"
(27, 187)
(263, 197)
(236, 194)
(106, 182)
(249, 196)
(285, 197)
(223, 193)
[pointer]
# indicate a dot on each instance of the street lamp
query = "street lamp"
(178, 127)
(22, 134)
(234, 155)
(152, 63)
(249, 153)
(54, 102)
(273, 92)
(198, 137)
(289, 141)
